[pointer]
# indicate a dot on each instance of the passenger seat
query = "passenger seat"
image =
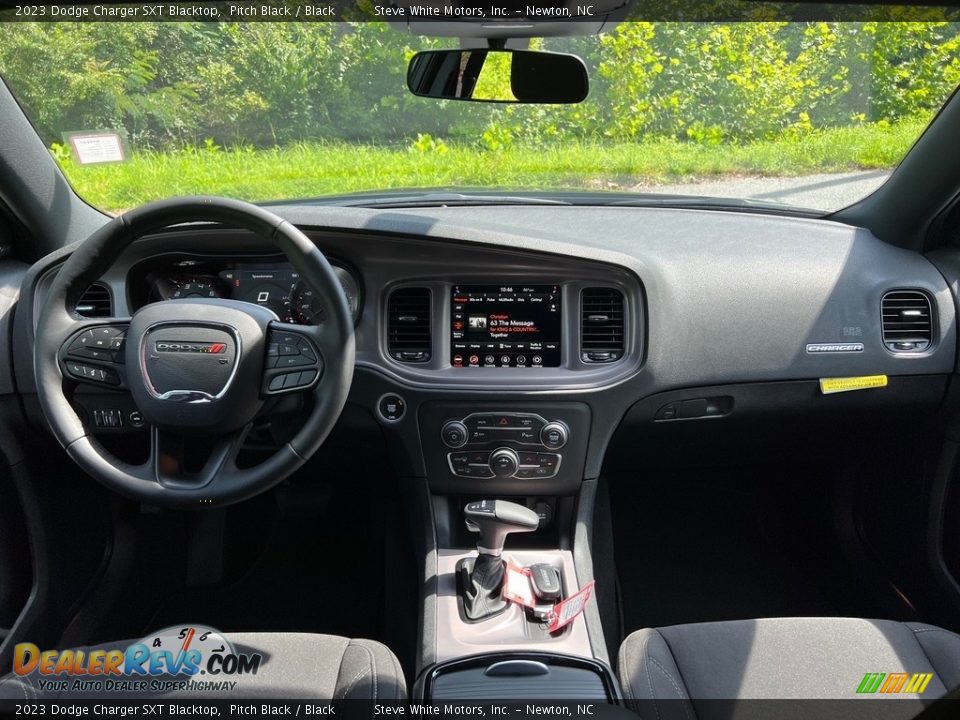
(674, 672)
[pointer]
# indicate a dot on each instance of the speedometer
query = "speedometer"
(194, 288)
(308, 309)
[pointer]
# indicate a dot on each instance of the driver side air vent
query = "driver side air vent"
(95, 302)
(601, 325)
(408, 325)
(907, 321)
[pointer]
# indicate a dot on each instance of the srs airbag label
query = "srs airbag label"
(835, 347)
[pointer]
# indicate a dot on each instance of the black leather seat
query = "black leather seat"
(676, 672)
(294, 665)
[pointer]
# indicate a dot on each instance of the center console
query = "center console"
(504, 477)
(504, 432)
(519, 676)
(502, 630)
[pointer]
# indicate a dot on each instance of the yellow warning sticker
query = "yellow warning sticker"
(828, 386)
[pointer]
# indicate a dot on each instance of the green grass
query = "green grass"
(310, 170)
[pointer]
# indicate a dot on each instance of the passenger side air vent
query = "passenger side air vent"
(95, 302)
(601, 325)
(408, 325)
(907, 321)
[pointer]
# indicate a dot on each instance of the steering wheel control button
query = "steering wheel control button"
(93, 373)
(284, 338)
(554, 435)
(103, 336)
(289, 361)
(286, 350)
(102, 344)
(93, 353)
(293, 380)
(82, 340)
(454, 434)
(306, 350)
(391, 407)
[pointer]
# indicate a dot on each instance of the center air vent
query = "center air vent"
(408, 325)
(601, 325)
(95, 302)
(907, 321)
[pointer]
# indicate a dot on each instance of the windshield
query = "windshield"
(807, 114)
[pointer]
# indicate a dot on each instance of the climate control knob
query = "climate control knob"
(504, 462)
(554, 435)
(454, 434)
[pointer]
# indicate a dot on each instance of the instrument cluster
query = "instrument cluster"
(272, 283)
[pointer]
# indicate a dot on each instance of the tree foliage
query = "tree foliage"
(175, 85)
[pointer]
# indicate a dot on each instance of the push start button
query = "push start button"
(391, 407)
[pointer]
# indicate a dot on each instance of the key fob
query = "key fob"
(545, 580)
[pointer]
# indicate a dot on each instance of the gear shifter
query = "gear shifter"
(482, 579)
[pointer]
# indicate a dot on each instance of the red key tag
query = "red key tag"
(566, 610)
(517, 587)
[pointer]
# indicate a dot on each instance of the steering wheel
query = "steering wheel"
(195, 368)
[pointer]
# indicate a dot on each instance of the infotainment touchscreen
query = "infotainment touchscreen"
(505, 326)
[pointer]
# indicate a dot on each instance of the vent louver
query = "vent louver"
(408, 325)
(601, 325)
(95, 302)
(907, 321)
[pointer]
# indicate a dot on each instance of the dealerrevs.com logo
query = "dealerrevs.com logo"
(184, 658)
(209, 348)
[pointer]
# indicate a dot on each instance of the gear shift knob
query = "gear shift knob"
(493, 520)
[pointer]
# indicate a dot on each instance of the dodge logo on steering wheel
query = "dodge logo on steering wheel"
(210, 348)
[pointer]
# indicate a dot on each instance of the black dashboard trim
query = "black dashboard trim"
(733, 297)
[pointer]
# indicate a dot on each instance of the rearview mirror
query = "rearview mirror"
(501, 76)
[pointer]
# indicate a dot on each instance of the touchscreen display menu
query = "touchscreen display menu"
(505, 326)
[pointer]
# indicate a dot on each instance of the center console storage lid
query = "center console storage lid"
(518, 676)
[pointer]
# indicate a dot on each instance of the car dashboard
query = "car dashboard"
(482, 328)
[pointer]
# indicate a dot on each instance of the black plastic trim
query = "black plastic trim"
(423, 686)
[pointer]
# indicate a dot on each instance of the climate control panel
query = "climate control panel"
(504, 463)
(508, 445)
(518, 448)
